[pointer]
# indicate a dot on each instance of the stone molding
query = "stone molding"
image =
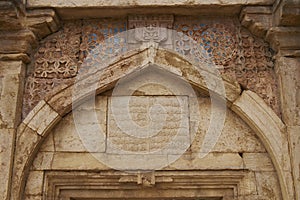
(283, 39)
(279, 25)
(21, 29)
(286, 13)
(103, 8)
(257, 19)
(225, 183)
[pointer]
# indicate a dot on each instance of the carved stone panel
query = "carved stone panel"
(214, 41)
(256, 71)
(85, 45)
(55, 64)
(102, 39)
(151, 28)
(57, 56)
(148, 124)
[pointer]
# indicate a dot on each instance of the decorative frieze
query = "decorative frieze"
(83, 45)
(141, 133)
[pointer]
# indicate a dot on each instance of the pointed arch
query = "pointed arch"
(49, 111)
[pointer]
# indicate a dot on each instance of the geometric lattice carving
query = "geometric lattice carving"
(218, 38)
(101, 41)
(255, 70)
(97, 37)
(55, 64)
(57, 56)
(239, 55)
(61, 55)
(220, 41)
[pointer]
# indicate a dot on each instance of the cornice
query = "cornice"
(21, 29)
(279, 25)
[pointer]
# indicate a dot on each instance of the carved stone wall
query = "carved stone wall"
(45, 44)
(236, 52)
(238, 167)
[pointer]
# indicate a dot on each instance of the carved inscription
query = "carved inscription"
(152, 123)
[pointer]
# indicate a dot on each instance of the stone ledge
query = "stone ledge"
(77, 9)
(284, 38)
(15, 57)
(136, 3)
(257, 19)
(21, 41)
(42, 22)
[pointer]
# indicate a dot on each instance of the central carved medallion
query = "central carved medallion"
(149, 28)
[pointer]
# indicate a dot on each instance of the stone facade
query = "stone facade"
(149, 99)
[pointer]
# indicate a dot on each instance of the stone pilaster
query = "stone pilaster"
(11, 88)
(13, 43)
(288, 71)
(20, 31)
(279, 25)
(284, 37)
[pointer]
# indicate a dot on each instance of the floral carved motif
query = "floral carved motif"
(83, 45)
(237, 53)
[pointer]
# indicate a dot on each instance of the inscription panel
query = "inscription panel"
(152, 123)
